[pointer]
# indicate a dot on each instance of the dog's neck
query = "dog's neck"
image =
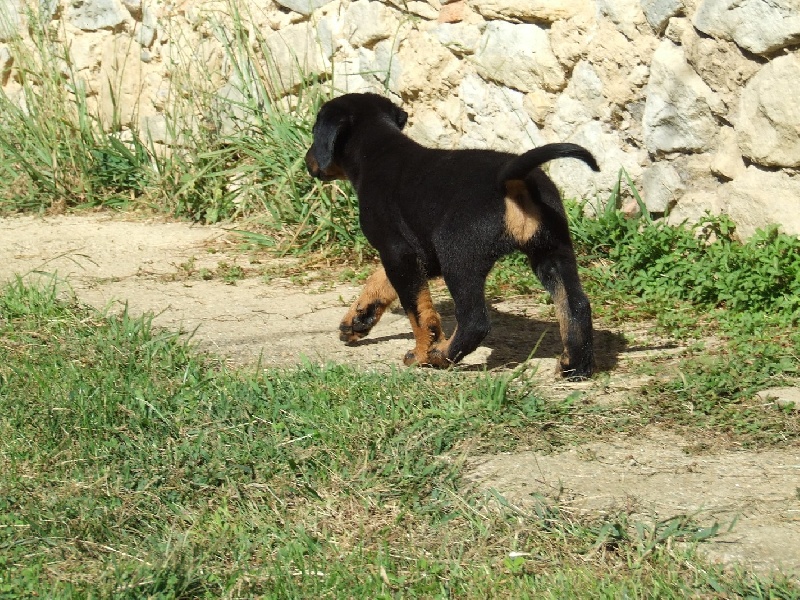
(370, 151)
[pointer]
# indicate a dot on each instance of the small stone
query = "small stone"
(784, 397)
(453, 13)
(659, 12)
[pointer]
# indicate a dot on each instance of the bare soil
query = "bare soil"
(239, 306)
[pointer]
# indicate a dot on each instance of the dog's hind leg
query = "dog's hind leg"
(377, 295)
(558, 272)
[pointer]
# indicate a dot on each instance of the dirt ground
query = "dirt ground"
(177, 271)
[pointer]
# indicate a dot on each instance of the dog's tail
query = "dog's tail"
(519, 166)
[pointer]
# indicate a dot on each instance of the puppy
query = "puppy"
(449, 213)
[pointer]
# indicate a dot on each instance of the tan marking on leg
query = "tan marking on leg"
(562, 312)
(561, 302)
(522, 215)
(427, 327)
(377, 295)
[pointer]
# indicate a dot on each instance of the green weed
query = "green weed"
(229, 152)
(132, 466)
(704, 264)
(59, 152)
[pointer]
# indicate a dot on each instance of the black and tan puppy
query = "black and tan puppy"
(452, 213)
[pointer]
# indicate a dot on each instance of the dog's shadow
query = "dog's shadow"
(514, 339)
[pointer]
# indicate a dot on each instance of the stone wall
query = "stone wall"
(696, 99)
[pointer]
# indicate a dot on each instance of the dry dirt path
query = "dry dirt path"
(158, 267)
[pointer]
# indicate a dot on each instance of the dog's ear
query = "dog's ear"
(400, 117)
(328, 130)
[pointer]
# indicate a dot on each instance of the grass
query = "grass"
(132, 466)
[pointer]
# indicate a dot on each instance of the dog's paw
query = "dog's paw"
(353, 329)
(577, 371)
(410, 359)
(438, 359)
(434, 358)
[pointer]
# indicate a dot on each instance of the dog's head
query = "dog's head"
(336, 120)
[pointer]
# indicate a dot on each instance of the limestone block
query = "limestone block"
(6, 61)
(727, 161)
(146, 30)
(758, 26)
(576, 180)
(659, 12)
(422, 9)
(582, 101)
(531, 11)
(453, 13)
(768, 124)
(304, 7)
(568, 115)
(721, 64)
(9, 19)
(378, 67)
(120, 80)
(621, 63)
(92, 15)
(587, 88)
(348, 75)
(572, 38)
(134, 7)
(539, 105)
(425, 65)
(430, 129)
(48, 10)
(155, 128)
(518, 56)
(460, 38)
(676, 28)
(419, 8)
(329, 29)
(694, 205)
(759, 198)
(495, 118)
(296, 52)
(661, 187)
(626, 15)
(369, 22)
(678, 109)
(86, 50)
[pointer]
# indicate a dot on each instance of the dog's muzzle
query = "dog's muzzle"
(312, 165)
(334, 172)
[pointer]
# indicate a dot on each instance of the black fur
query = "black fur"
(433, 212)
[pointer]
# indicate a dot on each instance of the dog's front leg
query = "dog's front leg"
(408, 277)
(377, 295)
(427, 327)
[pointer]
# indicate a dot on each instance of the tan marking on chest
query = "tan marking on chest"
(522, 215)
